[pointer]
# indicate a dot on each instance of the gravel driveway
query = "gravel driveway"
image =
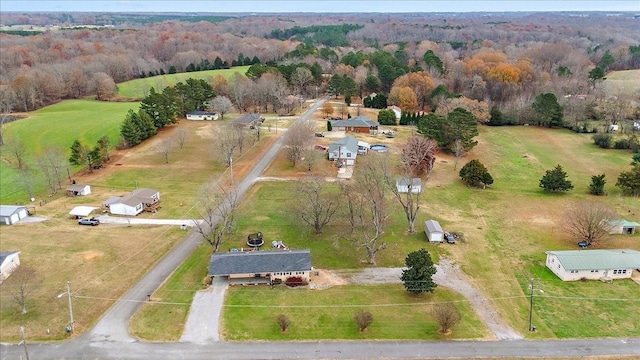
(106, 219)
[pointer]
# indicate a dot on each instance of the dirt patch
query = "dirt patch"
(324, 279)
(90, 255)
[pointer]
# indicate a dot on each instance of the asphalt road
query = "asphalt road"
(110, 339)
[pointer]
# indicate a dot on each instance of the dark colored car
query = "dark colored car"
(89, 221)
(583, 244)
(319, 135)
(449, 238)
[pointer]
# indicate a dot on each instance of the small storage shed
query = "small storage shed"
(9, 262)
(11, 214)
(78, 190)
(621, 226)
(433, 230)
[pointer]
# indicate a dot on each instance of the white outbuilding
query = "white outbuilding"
(11, 214)
(434, 231)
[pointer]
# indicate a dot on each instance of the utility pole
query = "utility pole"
(68, 292)
(231, 168)
(24, 342)
(531, 306)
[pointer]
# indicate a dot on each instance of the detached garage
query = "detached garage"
(11, 214)
(433, 230)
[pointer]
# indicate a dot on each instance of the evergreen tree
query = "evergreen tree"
(460, 125)
(597, 184)
(172, 69)
(129, 130)
(629, 181)
(475, 174)
(495, 117)
(417, 278)
(434, 64)
(386, 117)
(555, 180)
(79, 154)
(548, 110)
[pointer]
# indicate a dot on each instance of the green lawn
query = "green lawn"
(57, 126)
(139, 88)
(250, 313)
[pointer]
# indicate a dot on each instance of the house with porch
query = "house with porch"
(344, 150)
(137, 201)
(247, 120)
(255, 267)
(359, 124)
(201, 115)
(606, 265)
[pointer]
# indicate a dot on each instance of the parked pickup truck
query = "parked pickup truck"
(89, 221)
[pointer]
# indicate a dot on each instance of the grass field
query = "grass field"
(139, 88)
(57, 126)
(250, 314)
(623, 82)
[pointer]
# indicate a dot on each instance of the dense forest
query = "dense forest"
(419, 61)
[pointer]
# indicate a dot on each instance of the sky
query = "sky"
(382, 6)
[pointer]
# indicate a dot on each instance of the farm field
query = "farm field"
(139, 88)
(623, 82)
(57, 126)
(507, 227)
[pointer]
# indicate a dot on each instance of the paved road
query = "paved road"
(329, 350)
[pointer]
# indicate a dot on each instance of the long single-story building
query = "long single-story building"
(359, 124)
(201, 115)
(9, 262)
(247, 120)
(571, 265)
(433, 230)
(11, 214)
(621, 226)
(261, 266)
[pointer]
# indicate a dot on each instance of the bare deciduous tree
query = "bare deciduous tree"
(417, 160)
(296, 140)
(300, 78)
(315, 205)
(367, 205)
(225, 142)
(363, 319)
(310, 157)
(458, 152)
(240, 90)
(18, 151)
(327, 109)
(165, 147)
(588, 221)
(180, 136)
(216, 208)
(22, 283)
(446, 315)
(7, 101)
(221, 105)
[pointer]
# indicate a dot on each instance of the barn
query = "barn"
(434, 231)
(11, 214)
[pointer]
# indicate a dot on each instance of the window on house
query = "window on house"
(348, 154)
(574, 271)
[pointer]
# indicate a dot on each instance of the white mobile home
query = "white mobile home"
(434, 231)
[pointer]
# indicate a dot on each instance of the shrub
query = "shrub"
(555, 180)
(294, 281)
(603, 140)
(283, 322)
(447, 316)
(363, 319)
(622, 144)
(597, 184)
(475, 174)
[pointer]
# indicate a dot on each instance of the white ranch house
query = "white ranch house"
(201, 115)
(606, 265)
(133, 204)
(251, 267)
(434, 231)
